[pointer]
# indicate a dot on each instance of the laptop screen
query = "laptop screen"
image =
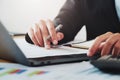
(8, 48)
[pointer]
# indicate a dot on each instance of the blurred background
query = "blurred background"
(18, 15)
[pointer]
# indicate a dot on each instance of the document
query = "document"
(32, 51)
(83, 45)
(73, 71)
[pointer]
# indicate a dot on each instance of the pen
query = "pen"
(58, 28)
(74, 46)
(16, 34)
(80, 47)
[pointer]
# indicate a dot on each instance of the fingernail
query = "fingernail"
(89, 54)
(55, 42)
(47, 46)
(36, 44)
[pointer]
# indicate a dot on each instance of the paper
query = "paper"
(32, 51)
(73, 71)
(80, 36)
(83, 45)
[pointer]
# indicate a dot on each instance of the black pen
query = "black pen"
(74, 46)
(16, 34)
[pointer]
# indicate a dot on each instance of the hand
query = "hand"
(40, 31)
(106, 43)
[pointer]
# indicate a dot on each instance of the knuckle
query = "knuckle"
(98, 37)
(117, 34)
(109, 33)
(101, 36)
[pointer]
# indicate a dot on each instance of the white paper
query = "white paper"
(86, 44)
(32, 51)
(73, 71)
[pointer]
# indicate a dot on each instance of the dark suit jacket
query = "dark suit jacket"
(99, 16)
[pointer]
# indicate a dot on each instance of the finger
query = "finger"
(101, 46)
(60, 36)
(116, 50)
(98, 41)
(32, 37)
(52, 32)
(109, 44)
(38, 36)
(45, 33)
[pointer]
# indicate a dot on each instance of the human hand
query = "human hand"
(105, 44)
(41, 30)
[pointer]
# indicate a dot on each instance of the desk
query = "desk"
(1, 60)
(72, 71)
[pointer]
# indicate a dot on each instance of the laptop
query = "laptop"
(10, 51)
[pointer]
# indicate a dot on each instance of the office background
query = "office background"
(19, 15)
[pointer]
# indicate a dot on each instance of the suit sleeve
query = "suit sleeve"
(70, 16)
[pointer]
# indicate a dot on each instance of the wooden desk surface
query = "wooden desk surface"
(1, 60)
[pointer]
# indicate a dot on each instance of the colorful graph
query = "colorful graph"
(6, 72)
(37, 73)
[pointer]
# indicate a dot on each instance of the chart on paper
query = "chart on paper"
(17, 74)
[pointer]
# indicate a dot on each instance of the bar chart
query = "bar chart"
(26, 72)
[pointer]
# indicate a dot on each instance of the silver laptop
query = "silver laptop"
(10, 51)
